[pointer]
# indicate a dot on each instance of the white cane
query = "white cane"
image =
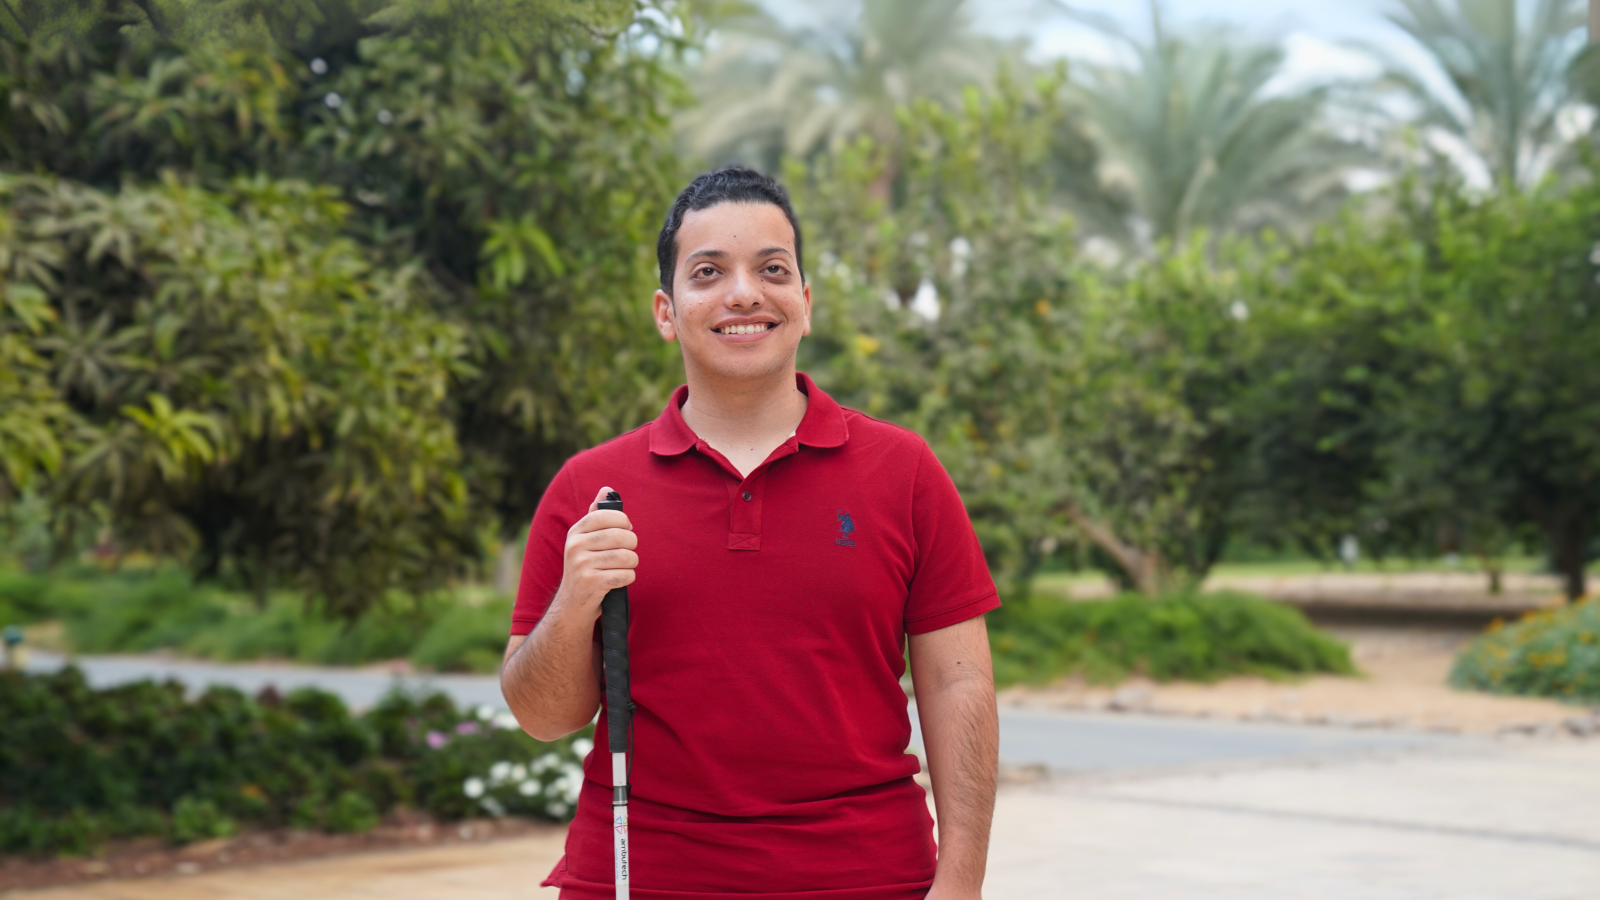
(619, 709)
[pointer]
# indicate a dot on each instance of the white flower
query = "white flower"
(499, 772)
(333, 100)
(485, 712)
(385, 117)
(493, 806)
(506, 722)
(472, 787)
(319, 66)
(582, 746)
(545, 763)
(556, 810)
(519, 772)
(528, 788)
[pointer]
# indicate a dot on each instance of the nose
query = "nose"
(744, 291)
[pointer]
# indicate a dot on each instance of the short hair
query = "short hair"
(734, 184)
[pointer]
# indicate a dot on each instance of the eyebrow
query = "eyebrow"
(711, 254)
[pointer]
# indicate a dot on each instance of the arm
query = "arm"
(954, 682)
(551, 677)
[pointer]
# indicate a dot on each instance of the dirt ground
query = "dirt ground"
(1403, 685)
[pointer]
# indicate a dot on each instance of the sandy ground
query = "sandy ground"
(1402, 685)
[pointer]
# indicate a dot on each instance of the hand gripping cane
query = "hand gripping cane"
(619, 709)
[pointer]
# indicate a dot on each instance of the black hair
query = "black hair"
(734, 184)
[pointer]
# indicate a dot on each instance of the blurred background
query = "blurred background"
(1259, 338)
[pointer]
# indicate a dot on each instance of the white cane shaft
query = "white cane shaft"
(619, 819)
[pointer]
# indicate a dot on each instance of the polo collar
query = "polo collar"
(822, 426)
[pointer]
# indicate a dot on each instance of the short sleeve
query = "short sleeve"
(542, 561)
(951, 583)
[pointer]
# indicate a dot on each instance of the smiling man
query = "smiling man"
(781, 551)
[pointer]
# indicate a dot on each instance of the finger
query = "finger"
(608, 539)
(598, 497)
(600, 520)
(616, 559)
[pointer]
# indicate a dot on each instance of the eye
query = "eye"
(774, 269)
(706, 272)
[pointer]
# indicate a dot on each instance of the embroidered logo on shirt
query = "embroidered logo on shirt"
(847, 528)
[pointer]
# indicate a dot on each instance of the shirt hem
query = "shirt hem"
(986, 603)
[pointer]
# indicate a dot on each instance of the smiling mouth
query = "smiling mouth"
(755, 328)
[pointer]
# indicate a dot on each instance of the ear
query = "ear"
(805, 291)
(666, 323)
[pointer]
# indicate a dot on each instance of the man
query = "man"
(779, 550)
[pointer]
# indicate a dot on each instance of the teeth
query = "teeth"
(744, 329)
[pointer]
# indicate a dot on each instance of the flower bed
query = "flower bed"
(80, 766)
(1549, 653)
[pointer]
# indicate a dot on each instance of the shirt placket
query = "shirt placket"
(746, 494)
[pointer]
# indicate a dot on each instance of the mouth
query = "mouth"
(749, 328)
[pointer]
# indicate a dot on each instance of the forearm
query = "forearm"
(960, 735)
(550, 679)
(954, 681)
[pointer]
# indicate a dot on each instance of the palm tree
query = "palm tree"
(1196, 135)
(767, 90)
(1508, 103)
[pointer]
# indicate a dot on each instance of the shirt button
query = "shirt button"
(747, 496)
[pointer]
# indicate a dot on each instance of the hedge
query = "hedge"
(80, 766)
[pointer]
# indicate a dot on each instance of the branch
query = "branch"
(1142, 567)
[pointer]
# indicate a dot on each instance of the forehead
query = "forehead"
(734, 228)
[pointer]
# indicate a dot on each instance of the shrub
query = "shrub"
(1548, 653)
(1199, 637)
(135, 612)
(80, 766)
(195, 819)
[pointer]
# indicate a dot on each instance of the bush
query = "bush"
(137, 612)
(1549, 653)
(1199, 637)
(80, 766)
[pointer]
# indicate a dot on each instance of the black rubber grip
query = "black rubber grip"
(614, 655)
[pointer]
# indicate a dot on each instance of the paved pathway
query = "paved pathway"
(1470, 820)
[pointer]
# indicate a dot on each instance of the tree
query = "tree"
(512, 183)
(767, 90)
(1064, 401)
(1509, 104)
(242, 385)
(1504, 414)
(1196, 136)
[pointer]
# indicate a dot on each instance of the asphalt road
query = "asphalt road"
(1061, 741)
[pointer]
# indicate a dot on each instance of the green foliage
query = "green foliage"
(1199, 637)
(277, 278)
(166, 610)
(1550, 653)
(194, 819)
(80, 766)
(1512, 73)
(1202, 135)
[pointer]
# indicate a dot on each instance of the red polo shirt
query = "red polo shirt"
(767, 639)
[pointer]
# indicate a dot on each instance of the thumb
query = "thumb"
(598, 497)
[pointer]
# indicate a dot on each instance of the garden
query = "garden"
(303, 303)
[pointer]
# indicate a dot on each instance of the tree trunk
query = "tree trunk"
(1569, 537)
(508, 568)
(1143, 567)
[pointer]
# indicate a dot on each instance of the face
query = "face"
(738, 307)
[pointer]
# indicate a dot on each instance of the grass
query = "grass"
(160, 609)
(1195, 637)
(1066, 584)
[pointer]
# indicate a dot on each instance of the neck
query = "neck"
(745, 413)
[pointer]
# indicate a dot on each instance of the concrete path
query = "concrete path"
(1470, 820)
